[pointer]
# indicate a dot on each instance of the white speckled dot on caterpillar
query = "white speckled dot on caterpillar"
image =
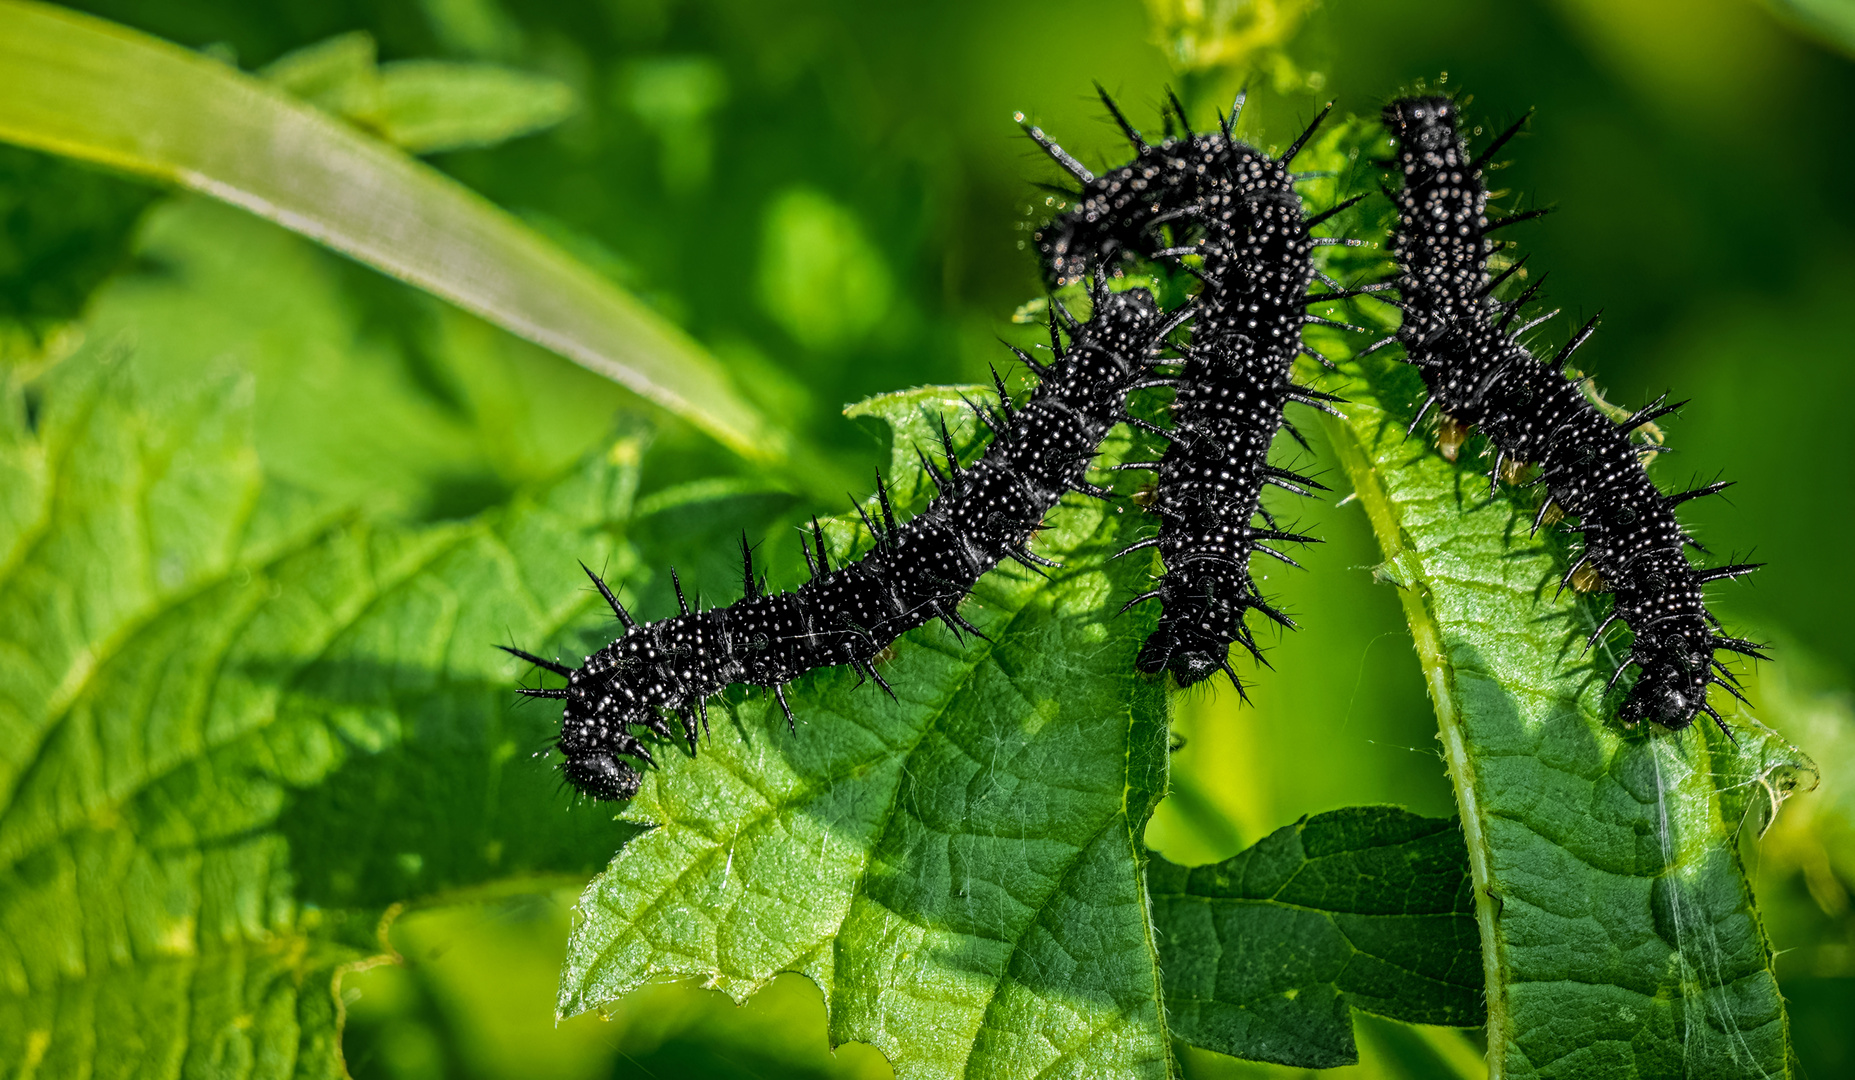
(1235, 213)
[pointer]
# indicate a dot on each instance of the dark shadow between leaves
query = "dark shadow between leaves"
(438, 784)
(1267, 953)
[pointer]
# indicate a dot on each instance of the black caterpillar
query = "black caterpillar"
(1236, 209)
(1478, 372)
(919, 570)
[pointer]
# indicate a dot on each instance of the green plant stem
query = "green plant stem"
(1437, 670)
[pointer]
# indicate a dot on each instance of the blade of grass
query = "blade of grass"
(89, 89)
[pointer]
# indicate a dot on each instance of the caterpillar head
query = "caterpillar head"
(1669, 705)
(601, 774)
(1190, 668)
(1426, 124)
(597, 746)
(1192, 658)
(595, 729)
(1672, 686)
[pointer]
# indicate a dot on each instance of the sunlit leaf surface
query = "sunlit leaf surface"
(960, 870)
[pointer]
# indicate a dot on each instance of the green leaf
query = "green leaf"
(238, 721)
(432, 105)
(337, 75)
(960, 871)
(185, 1007)
(911, 419)
(364, 391)
(1618, 931)
(78, 86)
(423, 106)
(1815, 839)
(1267, 953)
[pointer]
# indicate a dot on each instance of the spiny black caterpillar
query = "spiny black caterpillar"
(918, 570)
(1465, 343)
(1235, 211)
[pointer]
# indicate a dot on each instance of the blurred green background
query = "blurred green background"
(834, 199)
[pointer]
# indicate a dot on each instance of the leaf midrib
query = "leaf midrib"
(1439, 675)
(1030, 924)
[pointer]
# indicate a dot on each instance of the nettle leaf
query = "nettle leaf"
(912, 419)
(235, 723)
(1267, 953)
(1618, 929)
(960, 871)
